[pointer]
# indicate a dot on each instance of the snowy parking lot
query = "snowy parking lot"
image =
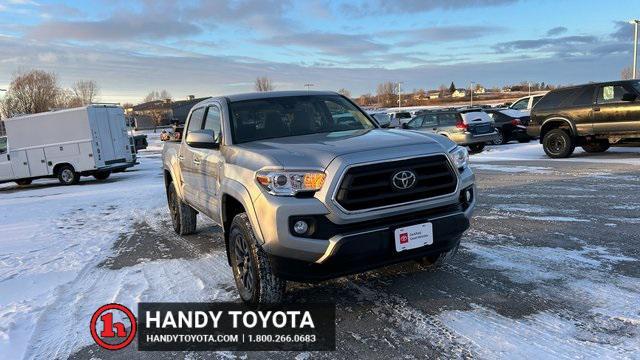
(549, 269)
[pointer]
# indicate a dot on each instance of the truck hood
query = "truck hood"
(318, 150)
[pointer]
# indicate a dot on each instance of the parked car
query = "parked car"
(594, 116)
(525, 104)
(510, 125)
(398, 118)
(302, 195)
(67, 144)
(470, 127)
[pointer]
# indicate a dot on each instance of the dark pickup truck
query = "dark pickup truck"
(594, 116)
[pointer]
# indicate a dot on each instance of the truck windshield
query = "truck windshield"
(260, 119)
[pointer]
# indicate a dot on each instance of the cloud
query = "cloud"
(113, 28)
(368, 7)
(623, 32)
(329, 43)
(538, 44)
(442, 33)
(558, 30)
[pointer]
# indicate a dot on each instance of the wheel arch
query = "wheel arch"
(555, 123)
(56, 167)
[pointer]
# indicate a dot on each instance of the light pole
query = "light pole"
(308, 85)
(635, 46)
(529, 83)
(471, 90)
(399, 93)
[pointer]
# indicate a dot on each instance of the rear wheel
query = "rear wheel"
(183, 216)
(102, 175)
(557, 143)
(252, 270)
(67, 175)
(476, 148)
(596, 146)
(24, 182)
(500, 138)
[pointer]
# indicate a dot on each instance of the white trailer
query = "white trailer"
(86, 141)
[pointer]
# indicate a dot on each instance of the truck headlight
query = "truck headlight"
(459, 156)
(289, 183)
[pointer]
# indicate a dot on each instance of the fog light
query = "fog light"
(300, 227)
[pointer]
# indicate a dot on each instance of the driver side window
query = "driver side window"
(521, 105)
(212, 122)
(415, 123)
(195, 121)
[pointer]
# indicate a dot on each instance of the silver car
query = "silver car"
(470, 127)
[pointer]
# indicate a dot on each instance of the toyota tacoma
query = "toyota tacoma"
(307, 187)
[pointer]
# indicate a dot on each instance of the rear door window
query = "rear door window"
(555, 98)
(430, 121)
(416, 122)
(449, 119)
(585, 97)
(611, 94)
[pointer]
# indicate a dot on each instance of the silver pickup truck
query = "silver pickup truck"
(307, 188)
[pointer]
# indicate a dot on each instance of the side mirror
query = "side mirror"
(629, 97)
(202, 139)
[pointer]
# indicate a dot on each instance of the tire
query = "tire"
(102, 175)
(476, 148)
(24, 182)
(67, 175)
(434, 262)
(596, 146)
(183, 216)
(252, 270)
(500, 140)
(558, 144)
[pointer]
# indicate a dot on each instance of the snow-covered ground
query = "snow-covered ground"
(541, 274)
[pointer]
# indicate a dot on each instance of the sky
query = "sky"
(206, 48)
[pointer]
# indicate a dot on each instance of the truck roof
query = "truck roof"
(274, 94)
(60, 111)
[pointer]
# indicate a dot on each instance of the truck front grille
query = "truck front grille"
(371, 186)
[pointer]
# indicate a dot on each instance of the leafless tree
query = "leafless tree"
(365, 100)
(345, 92)
(31, 92)
(264, 84)
(157, 95)
(86, 90)
(386, 93)
(626, 73)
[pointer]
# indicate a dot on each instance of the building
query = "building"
(479, 90)
(459, 93)
(161, 113)
(432, 95)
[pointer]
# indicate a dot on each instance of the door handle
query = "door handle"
(196, 162)
(596, 108)
(180, 157)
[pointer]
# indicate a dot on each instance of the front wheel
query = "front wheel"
(476, 148)
(252, 270)
(183, 216)
(67, 175)
(558, 143)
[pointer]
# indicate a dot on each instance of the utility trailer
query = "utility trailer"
(67, 144)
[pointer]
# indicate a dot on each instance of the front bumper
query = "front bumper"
(468, 138)
(361, 251)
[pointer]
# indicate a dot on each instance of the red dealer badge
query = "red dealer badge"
(113, 330)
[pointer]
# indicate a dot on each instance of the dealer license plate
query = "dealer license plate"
(414, 236)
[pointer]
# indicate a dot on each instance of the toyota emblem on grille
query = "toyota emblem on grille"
(404, 179)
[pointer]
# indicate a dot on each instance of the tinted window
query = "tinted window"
(636, 85)
(276, 117)
(611, 94)
(555, 98)
(535, 100)
(521, 104)
(430, 120)
(403, 115)
(585, 97)
(195, 122)
(416, 122)
(212, 121)
(447, 119)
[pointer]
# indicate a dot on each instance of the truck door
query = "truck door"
(613, 114)
(6, 172)
(119, 136)
(37, 162)
(208, 163)
(102, 135)
(20, 164)
(188, 161)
